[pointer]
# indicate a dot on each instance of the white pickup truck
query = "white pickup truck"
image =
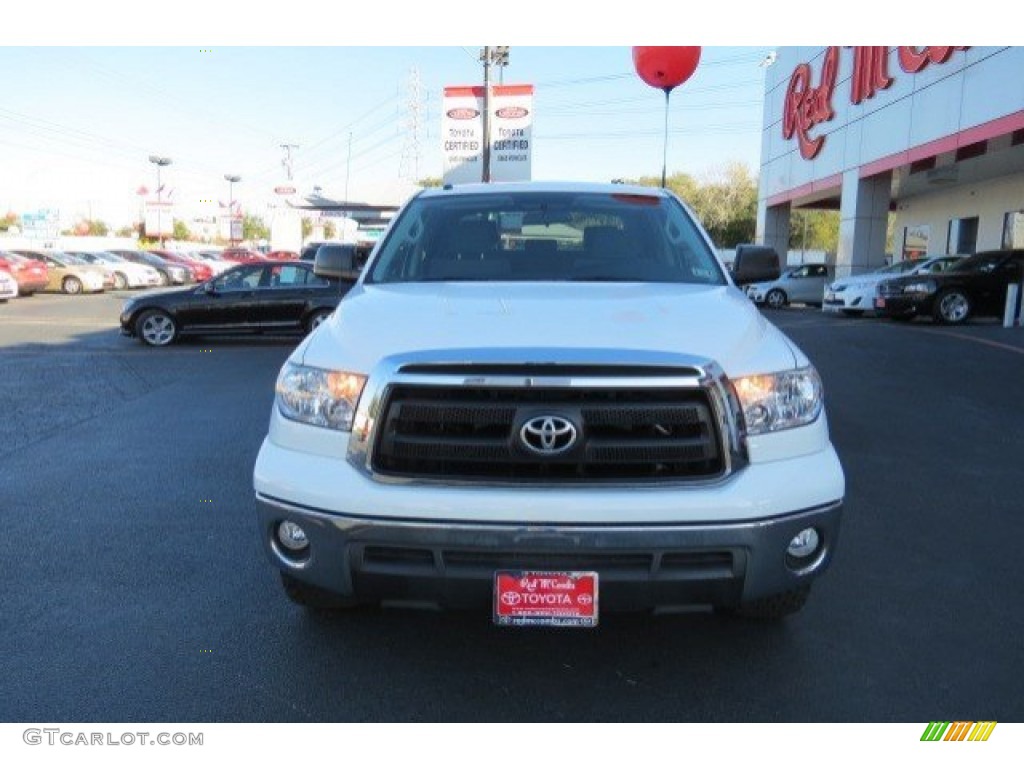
(548, 400)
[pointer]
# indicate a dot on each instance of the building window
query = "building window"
(971, 150)
(1017, 137)
(1013, 230)
(963, 236)
(919, 166)
(915, 241)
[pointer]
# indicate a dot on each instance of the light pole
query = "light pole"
(231, 179)
(159, 162)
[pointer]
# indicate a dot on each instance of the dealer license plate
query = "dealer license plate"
(545, 598)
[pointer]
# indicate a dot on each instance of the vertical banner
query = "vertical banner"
(159, 219)
(462, 133)
(511, 132)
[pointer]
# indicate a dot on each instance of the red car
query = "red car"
(200, 272)
(241, 255)
(282, 255)
(31, 275)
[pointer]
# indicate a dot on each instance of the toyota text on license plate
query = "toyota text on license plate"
(545, 598)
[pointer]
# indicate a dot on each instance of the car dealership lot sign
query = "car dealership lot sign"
(462, 133)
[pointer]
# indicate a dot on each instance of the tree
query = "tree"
(725, 201)
(814, 230)
(8, 221)
(180, 231)
(330, 230)
(127, 231)
(307, 228)
(430, 181)
(253, 228)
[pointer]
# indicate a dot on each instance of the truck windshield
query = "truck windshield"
(545, 236)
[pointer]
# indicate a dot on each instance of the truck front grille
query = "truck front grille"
(475, 433)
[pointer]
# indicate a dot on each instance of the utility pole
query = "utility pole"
(287, 162)
(486, 57)
(498, 56)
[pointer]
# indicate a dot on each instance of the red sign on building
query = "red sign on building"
(808, 105)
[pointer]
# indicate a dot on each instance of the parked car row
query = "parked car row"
(974, 287)
(854, 296)
(949, 289)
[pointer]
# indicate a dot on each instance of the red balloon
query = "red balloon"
(665, 67)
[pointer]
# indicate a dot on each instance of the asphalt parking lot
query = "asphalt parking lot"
(135, 588)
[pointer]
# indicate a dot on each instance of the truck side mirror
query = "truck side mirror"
(337, 261)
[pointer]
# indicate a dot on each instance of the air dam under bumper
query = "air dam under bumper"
(641, 567)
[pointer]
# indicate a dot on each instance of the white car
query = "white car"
(127, 274)
(8, 286)
(796, 285)
(543, 397)
(856, 295)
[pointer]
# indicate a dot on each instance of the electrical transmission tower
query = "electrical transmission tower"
(409, 167)
(287, 162)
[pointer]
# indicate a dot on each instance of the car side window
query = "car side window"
(287, 276)
(245, 279)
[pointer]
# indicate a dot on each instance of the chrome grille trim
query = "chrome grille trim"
(677, 371)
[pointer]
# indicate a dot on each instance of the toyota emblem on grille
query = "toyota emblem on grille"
(548, 435)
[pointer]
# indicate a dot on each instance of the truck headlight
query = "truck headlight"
(776, 401)
(319, 397)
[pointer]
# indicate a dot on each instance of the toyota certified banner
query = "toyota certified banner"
(462, 128)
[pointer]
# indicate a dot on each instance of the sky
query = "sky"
(79, 124)
(89, 93)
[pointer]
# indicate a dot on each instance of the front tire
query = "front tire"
(853, 312)
(952, 307)
(776, 298)
(71, 285)
(156, 328)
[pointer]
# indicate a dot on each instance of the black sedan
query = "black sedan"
(268, 297)
(973, 287)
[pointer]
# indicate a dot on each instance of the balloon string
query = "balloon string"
(664, 152)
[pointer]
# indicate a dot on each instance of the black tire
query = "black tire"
(120, 281)
(776, 298)
(71, 285)
(316, 317)
(853, 312)
(952, 307)
(773, 607)
(314, 598)
(156, 328)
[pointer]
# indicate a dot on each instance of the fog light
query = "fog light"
(291, 536)
(803, 544)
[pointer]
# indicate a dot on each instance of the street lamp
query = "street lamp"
(231, 179)
(159, 162)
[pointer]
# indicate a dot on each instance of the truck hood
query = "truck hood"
(712, 322)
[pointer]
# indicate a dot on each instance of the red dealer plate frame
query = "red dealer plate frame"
(546, 598)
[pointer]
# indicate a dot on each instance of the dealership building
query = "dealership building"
(933, 135)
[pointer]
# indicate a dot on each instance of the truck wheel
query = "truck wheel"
(314, 598)
(775, 607)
